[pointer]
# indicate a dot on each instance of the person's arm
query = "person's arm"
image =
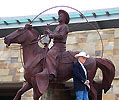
(61, 33)
(48, 31)
(76, 73)
(58, 34)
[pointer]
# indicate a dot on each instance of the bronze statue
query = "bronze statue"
(36, 72)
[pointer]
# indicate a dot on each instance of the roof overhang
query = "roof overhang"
(103, 18)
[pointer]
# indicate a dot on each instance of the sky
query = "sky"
(13, 8)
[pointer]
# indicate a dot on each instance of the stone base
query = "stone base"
(59, 92)
(63, 92)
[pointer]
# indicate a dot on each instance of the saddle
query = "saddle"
(65, 58)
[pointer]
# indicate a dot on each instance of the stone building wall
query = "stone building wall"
(11, 69)
(10, 63)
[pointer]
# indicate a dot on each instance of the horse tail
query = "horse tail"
(108, 71)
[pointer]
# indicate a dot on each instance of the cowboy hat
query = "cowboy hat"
(82, 54)
(66, 14)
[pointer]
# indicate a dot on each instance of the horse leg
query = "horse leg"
(36, 95)
(25, 88)
(93, 93)
(36, 92)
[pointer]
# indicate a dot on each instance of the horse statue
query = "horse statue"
(34, 59)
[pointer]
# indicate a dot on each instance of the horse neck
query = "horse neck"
(29, 52)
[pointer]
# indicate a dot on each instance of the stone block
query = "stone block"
(1, 47)
(89, 48)
(108, 56)
(12, 47)
(28, 93)
(3, 66)
(20, 56)
(111, 39)
(21, 77)
(16, 79)
(116, 45)
(4, 72)
(4, 55)
(108, 31)
(116, 63)
(27, 98)
(71, 40)
(13, 65)
(80, 46)
(116, 33)
(93, 37)
(115, 57)
(98, 53)
(116, 88)
(105, 42)
(116, 40)
(109, 46)
(5, 48)
(14, 53)
(82, 35)
(98, 47)
(7, 61)
(6, 78)
(110, 52)
(106, 36)
(116, 51)
(109, 97)
(2, 41)
(72, 47)
(12, 71)
(81, 40)
(117, 73)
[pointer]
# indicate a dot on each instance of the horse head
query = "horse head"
(22, 36)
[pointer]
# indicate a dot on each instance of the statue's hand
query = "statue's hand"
(47, 31)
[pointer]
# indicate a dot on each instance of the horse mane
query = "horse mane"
(37, 48)
(35, 34)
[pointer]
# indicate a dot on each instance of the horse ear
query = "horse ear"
(34, 32)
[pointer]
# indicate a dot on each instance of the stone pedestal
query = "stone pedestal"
(59, 92)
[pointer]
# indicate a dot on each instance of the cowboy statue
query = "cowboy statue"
(59, 36)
